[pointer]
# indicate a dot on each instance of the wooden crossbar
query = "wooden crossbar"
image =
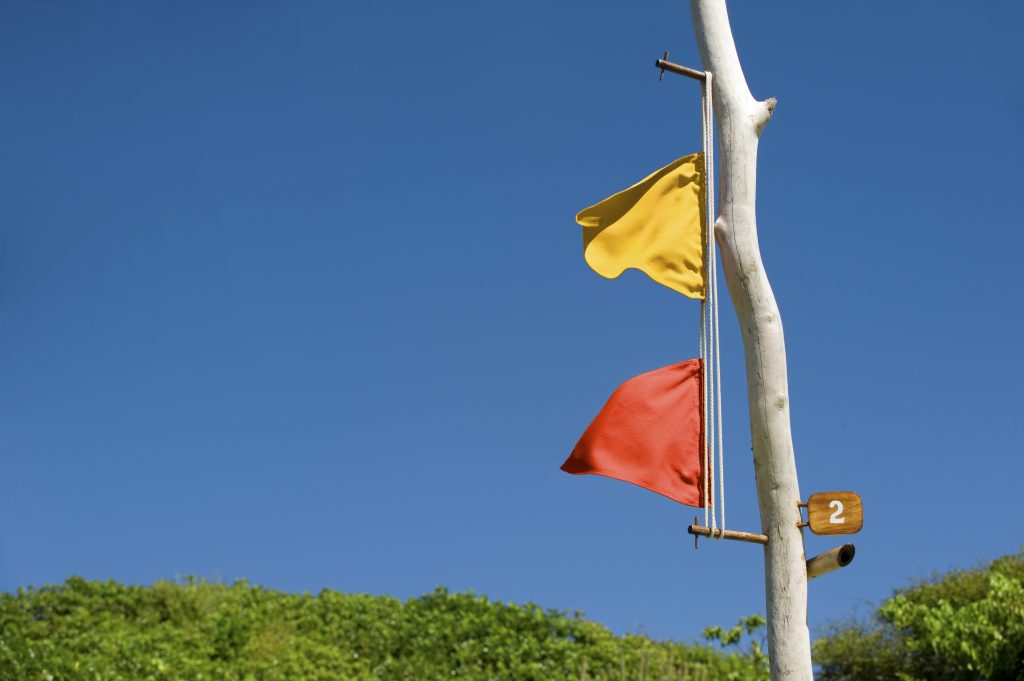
(665, 65)
(701, 531)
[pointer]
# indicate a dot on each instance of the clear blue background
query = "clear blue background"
(293, 292)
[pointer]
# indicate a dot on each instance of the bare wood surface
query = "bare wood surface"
(740, 119)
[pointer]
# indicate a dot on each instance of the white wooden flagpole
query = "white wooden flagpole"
(740, 119)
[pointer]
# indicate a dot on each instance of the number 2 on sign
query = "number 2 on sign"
(837, 515)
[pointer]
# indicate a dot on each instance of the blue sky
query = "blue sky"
(293, 292)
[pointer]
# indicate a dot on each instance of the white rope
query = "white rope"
(704, 388)
(714, 306)
(705, 349)
(711, 343)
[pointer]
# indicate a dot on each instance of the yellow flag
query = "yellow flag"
(655, 226)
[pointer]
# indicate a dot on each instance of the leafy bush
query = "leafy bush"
(964, 625)
(195, 630)
(734, 637)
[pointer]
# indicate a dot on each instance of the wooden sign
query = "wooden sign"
(835, 513)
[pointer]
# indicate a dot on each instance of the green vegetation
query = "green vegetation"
(191, 631)
(960, 626)
(964, 625)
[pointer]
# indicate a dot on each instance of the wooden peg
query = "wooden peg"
(696, 529)
(665, 65)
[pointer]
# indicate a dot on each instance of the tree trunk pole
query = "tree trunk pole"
(740, 119)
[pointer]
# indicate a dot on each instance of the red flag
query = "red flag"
(650, 433)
